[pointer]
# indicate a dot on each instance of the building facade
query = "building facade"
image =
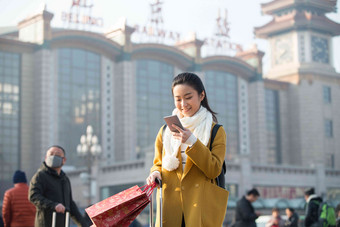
(283, 130)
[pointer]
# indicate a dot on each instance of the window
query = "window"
(153, 92)
(331, 161)
(329, 128)
(273, 126)
(79, 98)
(327, 94)
(222, 89)
(10, 92)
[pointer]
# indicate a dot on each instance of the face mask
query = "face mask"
(54, 161)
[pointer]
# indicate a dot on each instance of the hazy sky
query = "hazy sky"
(182, 16)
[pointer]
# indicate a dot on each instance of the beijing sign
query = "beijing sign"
(80, 13)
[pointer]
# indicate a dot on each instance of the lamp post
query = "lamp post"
(89, 149)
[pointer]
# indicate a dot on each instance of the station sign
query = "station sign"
(80, 14)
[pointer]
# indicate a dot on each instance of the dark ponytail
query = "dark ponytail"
(195, 82)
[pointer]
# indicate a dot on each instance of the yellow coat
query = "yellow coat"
(193, 192)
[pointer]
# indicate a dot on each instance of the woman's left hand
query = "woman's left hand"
(182, 135)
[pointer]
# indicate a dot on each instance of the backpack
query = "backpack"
(326, 215)
(220, 180)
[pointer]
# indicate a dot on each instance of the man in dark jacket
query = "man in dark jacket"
(245, 215)
(312, 208)
(50, 190)
(293, 218)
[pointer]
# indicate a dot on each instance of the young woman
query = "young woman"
(184, 162)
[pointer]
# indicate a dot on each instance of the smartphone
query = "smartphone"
(173, 120)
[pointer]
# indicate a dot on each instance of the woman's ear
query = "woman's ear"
(202, 95)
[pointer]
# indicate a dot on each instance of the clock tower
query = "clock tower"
(300, 37)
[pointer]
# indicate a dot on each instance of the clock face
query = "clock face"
(320, 49)
(283, 50)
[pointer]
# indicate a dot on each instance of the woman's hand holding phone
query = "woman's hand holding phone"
(176, 128)
(182, 134)
(171, 120)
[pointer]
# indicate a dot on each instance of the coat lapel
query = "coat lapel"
(179, 170)
(187, 166)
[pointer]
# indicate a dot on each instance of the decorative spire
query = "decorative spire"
(154, 30)
(156, 17)
(220, 43)
(222, 24)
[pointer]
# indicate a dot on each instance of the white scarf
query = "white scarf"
(199, 125)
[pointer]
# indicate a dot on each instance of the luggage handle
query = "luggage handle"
(67, 219)
(159, 182)
(151, 212)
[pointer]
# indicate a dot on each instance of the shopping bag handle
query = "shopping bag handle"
(148, 189)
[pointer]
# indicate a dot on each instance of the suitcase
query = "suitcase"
(67, 219)
(159, 182)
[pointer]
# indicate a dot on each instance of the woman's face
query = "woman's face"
(187, 100)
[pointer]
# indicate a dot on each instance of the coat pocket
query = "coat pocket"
(214, 207)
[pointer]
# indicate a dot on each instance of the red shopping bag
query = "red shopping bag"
(132, 216)
(122, 208)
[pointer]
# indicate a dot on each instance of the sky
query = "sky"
(183, 16)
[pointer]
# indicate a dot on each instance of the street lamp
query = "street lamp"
(89, 149)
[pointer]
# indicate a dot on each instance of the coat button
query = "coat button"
(197, 185)
(182, 188)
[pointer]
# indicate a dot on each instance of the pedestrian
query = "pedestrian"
(275, 220)
(245, 214)
(17, 210)
(293, 218)
(337, 212)
(312, 208)
(184, 162)
(50, 190)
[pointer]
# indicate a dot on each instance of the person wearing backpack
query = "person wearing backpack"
(312, 208)
(185, 163)
(327, 217)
